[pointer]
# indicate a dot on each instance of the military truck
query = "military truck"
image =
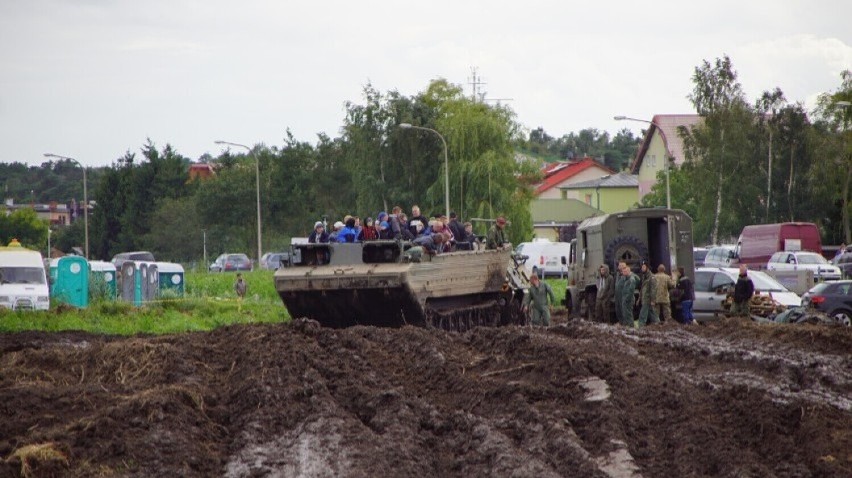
(378, 283)
(658, 236)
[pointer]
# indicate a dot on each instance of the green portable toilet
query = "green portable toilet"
(70, 284)
(102, 280)
(171, 278)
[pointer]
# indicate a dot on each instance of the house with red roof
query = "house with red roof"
(661, 141)
(561, 174)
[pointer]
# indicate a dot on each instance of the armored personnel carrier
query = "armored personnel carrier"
(377, 283)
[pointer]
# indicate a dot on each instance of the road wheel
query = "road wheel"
(842, 316)
(627, 249)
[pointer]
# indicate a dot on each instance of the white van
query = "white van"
(23, 282)
(546, 258)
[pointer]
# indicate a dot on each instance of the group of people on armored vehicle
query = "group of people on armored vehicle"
(435, 235)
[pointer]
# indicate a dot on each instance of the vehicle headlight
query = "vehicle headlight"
(43, 298)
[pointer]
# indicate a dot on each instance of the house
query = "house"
(550, 216)
(557, 175)
(610, 193)
(661, 141)
(200, 171)
(56, 214)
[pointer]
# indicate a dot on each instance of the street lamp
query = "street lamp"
(257, 174)
(446, 162)
(668, 153)
(85, 195)
(598, 189)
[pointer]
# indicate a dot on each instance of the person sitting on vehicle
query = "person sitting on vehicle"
(468, 240)
(405, 233)
(318, 235)
(337, 227)
(348, 232)
(418, 217)
(384, 231)
(369, 231)
(431, 244)
(497, 238)
(393, 222)
(456, 228)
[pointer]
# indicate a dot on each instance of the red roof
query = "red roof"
(556, 173)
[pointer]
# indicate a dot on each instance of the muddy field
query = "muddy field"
(577, 399)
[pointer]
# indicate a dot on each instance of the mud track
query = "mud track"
(577, 399)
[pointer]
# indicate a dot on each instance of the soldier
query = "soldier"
(537, 295)
(606, 288)
(496, 238)
(648, 297)
(664, 284)
(624, 288)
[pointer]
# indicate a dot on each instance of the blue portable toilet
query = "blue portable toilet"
(70, 280)
(171, 278)
(102, 280)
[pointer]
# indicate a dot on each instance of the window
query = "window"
(721, 280)
(702, 281)
(589, 199)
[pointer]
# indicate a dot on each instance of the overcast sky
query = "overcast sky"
(93, 79)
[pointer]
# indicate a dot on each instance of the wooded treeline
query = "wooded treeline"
(762, 162)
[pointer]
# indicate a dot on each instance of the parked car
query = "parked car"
(121, 258)
(712, 285)
(799, 260)
(721, 256)
(273, 260)
(698, 255)
(833, 298)
(231, 262)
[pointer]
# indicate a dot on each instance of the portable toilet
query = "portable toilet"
(131, 283)
(102, 279)
(70, 276)
(152, 281)
(171, 278)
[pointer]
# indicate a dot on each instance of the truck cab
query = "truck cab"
(23, 281)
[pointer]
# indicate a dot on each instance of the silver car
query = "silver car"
(712, 285)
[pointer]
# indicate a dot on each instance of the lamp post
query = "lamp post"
(598, 189)
(257, 174)
(85, 195)
(668, 153)
(446, 162)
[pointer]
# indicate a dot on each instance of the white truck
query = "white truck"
(546, 258)
(23, 281)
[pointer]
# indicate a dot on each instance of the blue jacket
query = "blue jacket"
(347, 234)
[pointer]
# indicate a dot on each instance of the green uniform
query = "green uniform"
(624, 287)
(604, 296)
(536, 300)
(665, 283)
(496, 238)
(648, 296)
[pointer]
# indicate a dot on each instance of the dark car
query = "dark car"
(833, 298)
(231, 262)
(273, 260)
(121, 258)
(698, 255)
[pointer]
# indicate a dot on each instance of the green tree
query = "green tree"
(25, 226)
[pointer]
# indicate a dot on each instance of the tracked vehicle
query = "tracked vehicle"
(377, 283)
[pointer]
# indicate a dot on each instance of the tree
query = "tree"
(25, 226)
(833, 139)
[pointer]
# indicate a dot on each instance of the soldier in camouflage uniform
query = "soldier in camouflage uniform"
(665, 283)
(624, 300)
(536, 301)
(648, 297)
(496, 237)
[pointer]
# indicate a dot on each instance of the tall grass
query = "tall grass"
(209, 302)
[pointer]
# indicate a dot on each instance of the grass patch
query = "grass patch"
(209, 302)
(558, 286)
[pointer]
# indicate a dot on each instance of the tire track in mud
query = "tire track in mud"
(578, 399)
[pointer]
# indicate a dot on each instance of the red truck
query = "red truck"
(757, 243)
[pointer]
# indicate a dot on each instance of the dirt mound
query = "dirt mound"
(577, 399)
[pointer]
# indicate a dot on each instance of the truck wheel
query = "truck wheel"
(627, 249)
